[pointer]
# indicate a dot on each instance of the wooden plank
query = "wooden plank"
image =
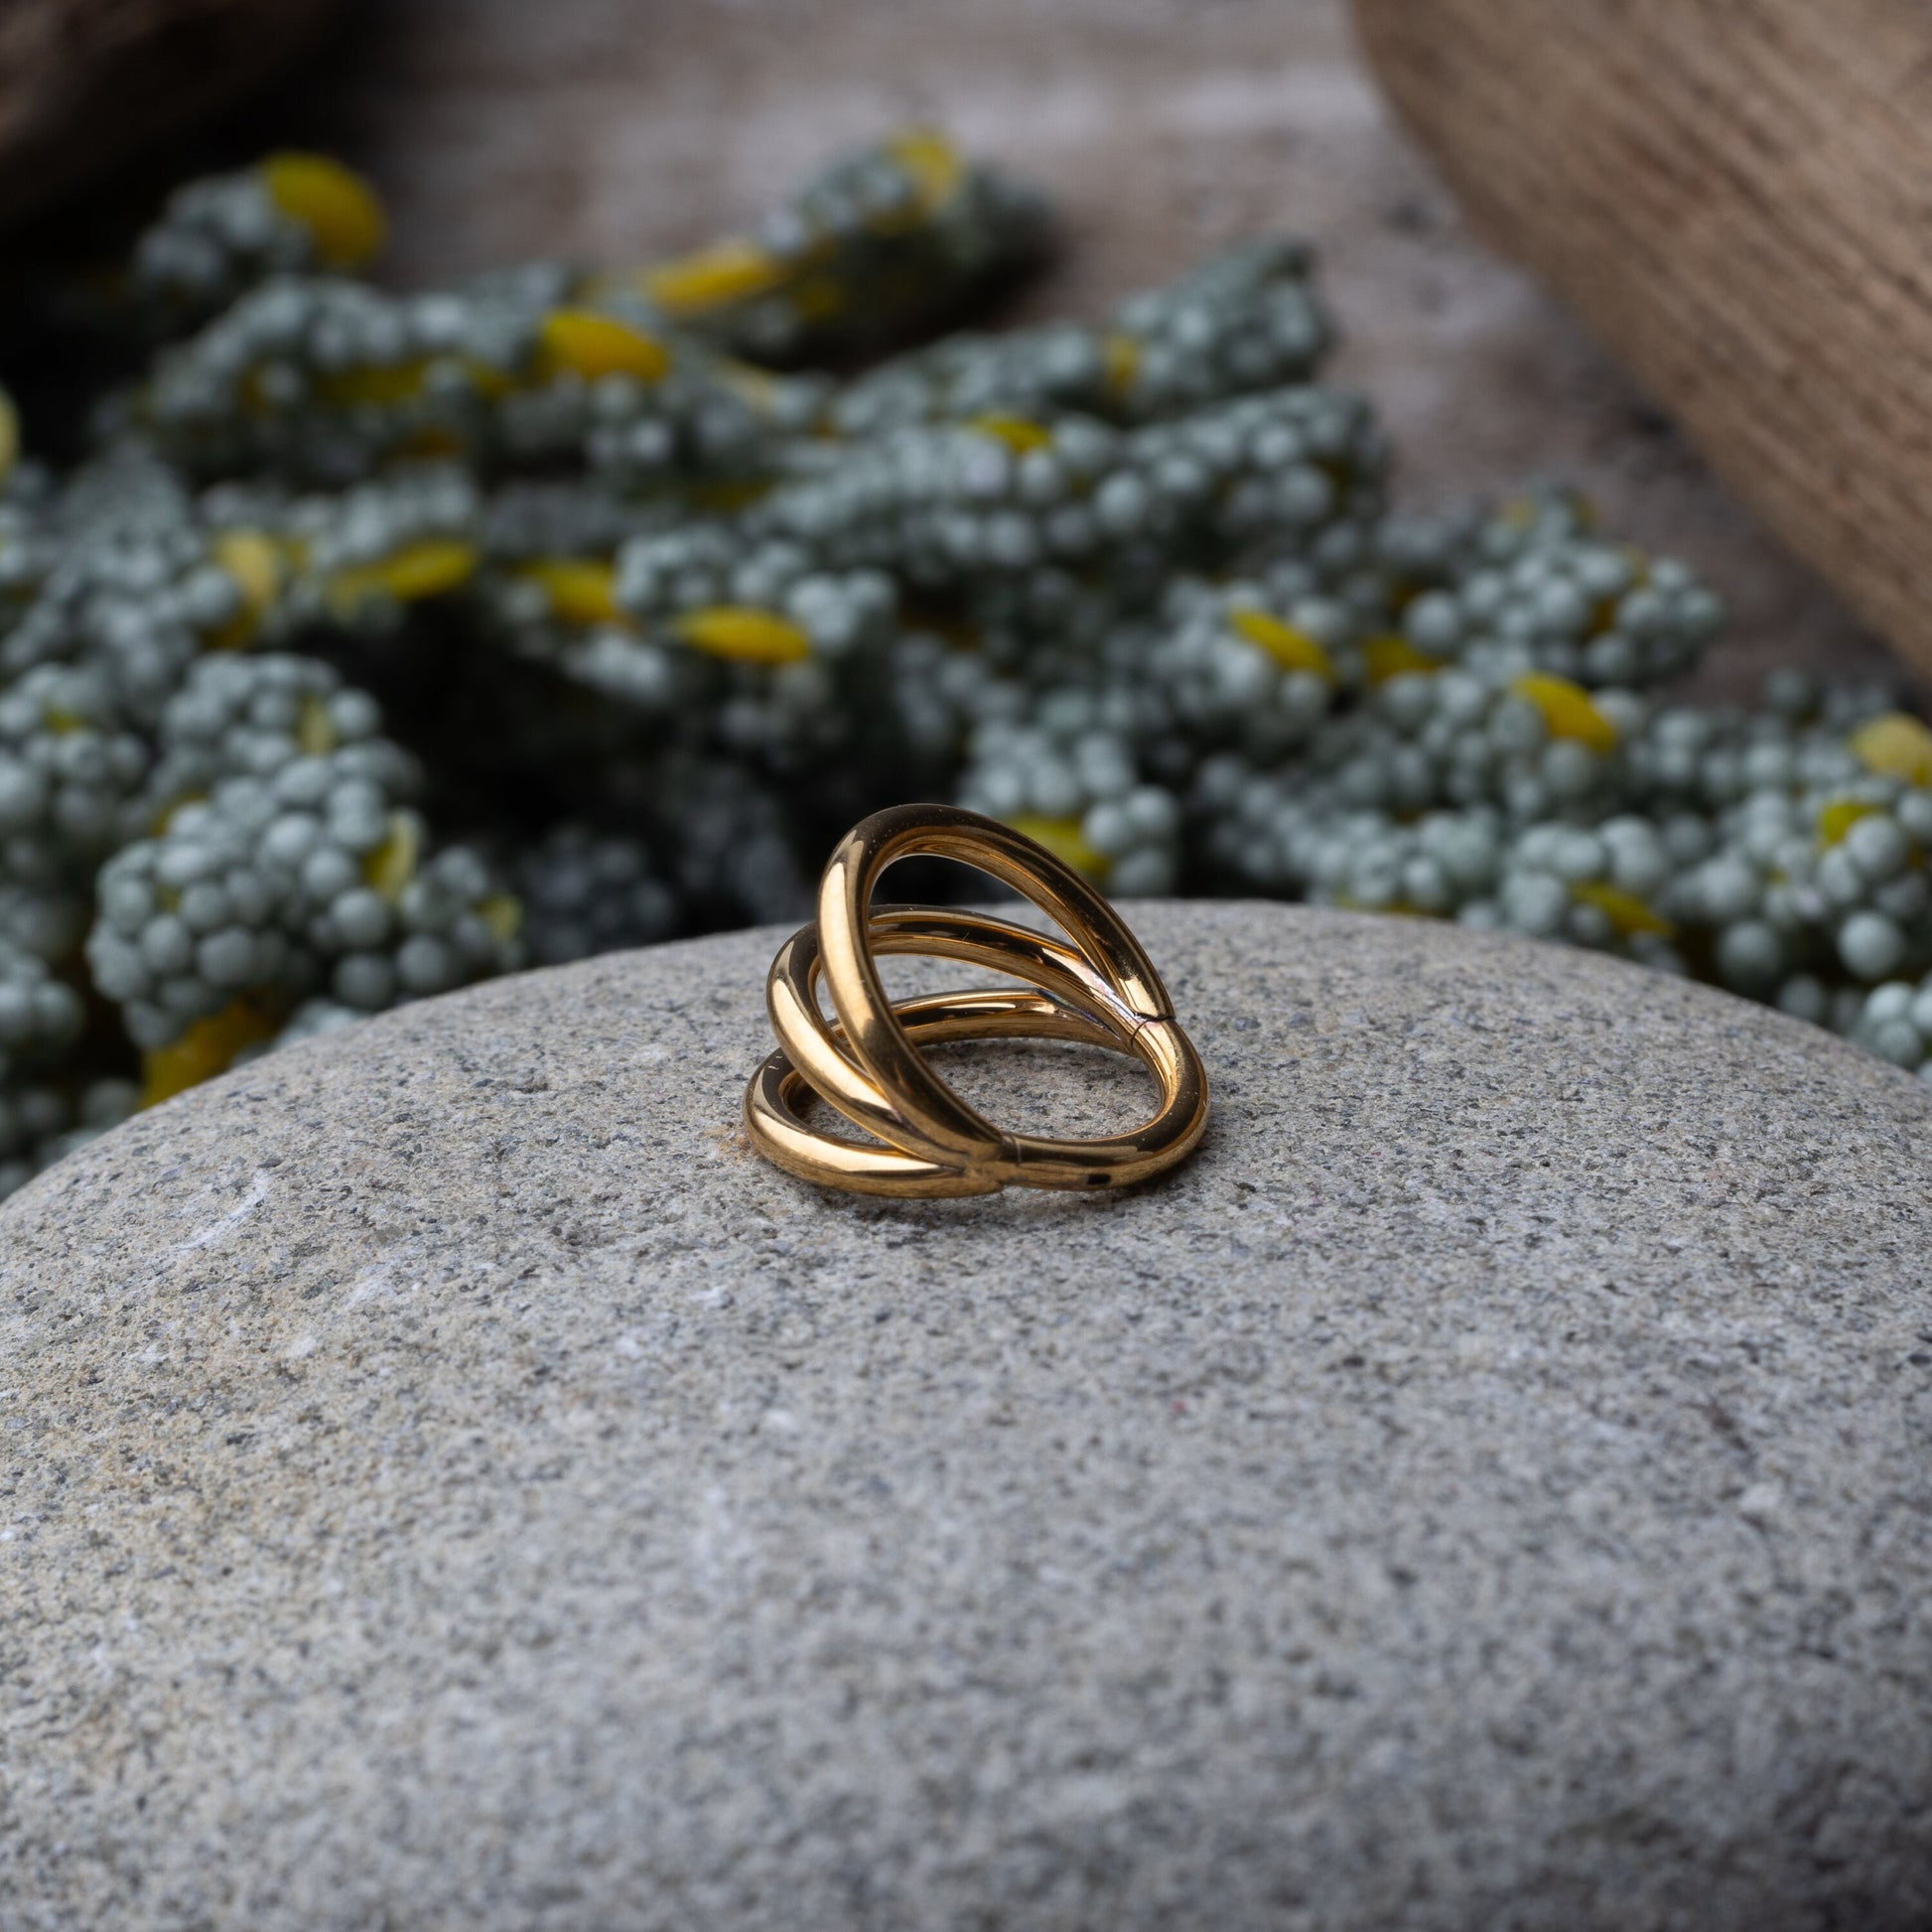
(1737, 195)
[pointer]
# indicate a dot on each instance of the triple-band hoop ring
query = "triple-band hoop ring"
(866, 1060)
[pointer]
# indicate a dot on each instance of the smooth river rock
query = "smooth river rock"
(450, 1482)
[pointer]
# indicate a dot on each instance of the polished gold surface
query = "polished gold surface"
(867, 1061)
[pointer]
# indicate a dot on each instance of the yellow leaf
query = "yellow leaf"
(591, 345)
(336, 205)
(1624, 910)
(712, 278)
(378, 386)
(417, 570)
(1289, 647)
(1121, 357)
(931, 160)
(486, 378)
(9, 435)
(1016, 432)
(432, 439)
(162, 820)
(580, 589)
(1521, 512)
(1390, 656)
(819, 298)
(1061, 837)
(744, 634)
(207, 1048)
(724, 495)
(1396, 909)
(315, 730)
(502, 915)
(757, 388)
(255, 563)
(393, 865)
(1897, 746)
(1567, 710)
(1840, 816)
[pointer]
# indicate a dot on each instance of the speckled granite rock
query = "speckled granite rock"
(450, 1483)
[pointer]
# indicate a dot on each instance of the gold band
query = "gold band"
(866, 1063)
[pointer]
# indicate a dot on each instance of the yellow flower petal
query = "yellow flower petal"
(932, 161)
(207, 1048)
(1897, 746)
(745, 634)
(1396, 909)
(162, 820)
(379, 385)
(1061, 837)
(1840, 816)
(393, 865)
(336, 205)
(503, 916)
(315, 730)
(1390, 656)
(1624, 910)
(1121, 358)
(254, 561)
(819, 298)
(1289, 647)
(1567, 710)
(722, 494)
(712, 278)
(1018, 433)
(581, 589)
(591, 345)
(417, 570)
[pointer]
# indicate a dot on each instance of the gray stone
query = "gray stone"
(450, 1482)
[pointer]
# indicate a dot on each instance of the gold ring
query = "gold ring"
(866, 1062)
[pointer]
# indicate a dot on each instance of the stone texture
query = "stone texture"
(450, 1482)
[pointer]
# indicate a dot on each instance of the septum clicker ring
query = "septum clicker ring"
(868, 1063)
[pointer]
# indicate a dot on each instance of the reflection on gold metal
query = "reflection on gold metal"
(866, 1063)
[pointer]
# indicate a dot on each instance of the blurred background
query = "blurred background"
(579, 585)
(620, 130)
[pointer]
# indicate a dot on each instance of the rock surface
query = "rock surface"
(448, 1481)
